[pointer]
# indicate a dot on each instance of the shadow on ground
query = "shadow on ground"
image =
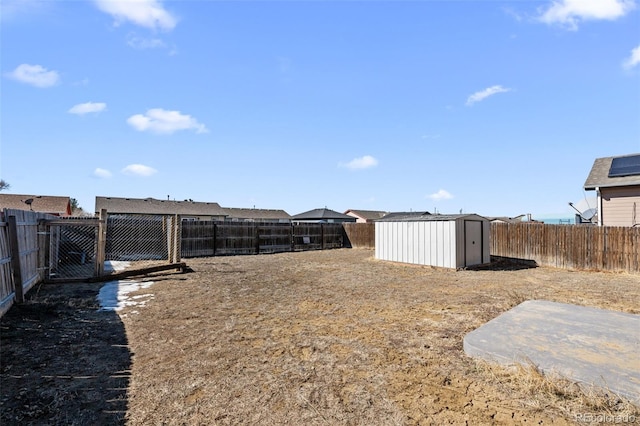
(500, 263)
(62, 361)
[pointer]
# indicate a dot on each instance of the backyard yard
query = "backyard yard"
(300, 338)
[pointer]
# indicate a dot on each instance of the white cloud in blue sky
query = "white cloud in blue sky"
(441, 195)
(34, 75)
(569, 13)
(102, 173)
(158, 120)
(365, 162)
(633, 59)
(87, 107)
(145, 13)
(483, 94)
(139, 170)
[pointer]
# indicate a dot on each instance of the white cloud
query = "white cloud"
(158, 120)
(145, 13)
(570, 12)
(139, 170)
(144, 43)
(87, 107)
(361, 163)
(102, 173)
(441, 195)
(633, 59)
(483, 94)
(35, 75)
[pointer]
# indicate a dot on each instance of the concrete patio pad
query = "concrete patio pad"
(595, 347)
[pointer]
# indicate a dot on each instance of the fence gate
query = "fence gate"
(141, 241)
(73, 247)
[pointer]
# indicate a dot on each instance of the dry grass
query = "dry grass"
(337, 337)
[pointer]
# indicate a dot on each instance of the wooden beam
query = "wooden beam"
(182, 266)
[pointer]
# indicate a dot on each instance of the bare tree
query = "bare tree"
(4, 185)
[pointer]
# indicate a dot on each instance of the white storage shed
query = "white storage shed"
(448, 241)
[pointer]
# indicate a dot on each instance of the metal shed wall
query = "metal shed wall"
(431, 242)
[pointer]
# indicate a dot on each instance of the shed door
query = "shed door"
(472, 242)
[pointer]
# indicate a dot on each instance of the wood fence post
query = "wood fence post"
(101, 244)
(43, 249)
(14, 249)
(257, 237)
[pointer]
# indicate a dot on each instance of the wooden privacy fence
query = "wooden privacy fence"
(20, 256)
(583, 247)
(360, 235)
(215, 238)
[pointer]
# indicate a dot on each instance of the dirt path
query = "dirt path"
(336, 337)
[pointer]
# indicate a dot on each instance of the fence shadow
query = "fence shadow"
(500, 263)
(62, 360)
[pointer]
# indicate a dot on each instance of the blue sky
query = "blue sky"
(496, 108)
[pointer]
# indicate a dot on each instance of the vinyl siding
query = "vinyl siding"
(620, 206)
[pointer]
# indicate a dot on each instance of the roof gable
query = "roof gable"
(599, 175)
(366, 214)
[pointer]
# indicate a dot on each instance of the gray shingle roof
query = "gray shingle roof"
(431, 217)
(599, 175)
(320, 214)
(41, 203)
(266, 214)
(367, 214)
(152, 206)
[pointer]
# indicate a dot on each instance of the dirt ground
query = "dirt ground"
(323, 337)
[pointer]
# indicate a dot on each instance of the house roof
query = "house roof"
(257, 214)
(153, 206)
(432, 217)
(366, 214)
(325, 213)
(40, 203)
(599, 175)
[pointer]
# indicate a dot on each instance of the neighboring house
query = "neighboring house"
(616, 181)
(257, 215)
(322, 216)
(188, 210)
(57, 206)
(364, 216)
(398, 215)
(507, 219)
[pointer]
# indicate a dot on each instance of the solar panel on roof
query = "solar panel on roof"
(625, 166)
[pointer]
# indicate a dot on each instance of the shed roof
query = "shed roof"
(40, 203)
(325, 213)
(599, 175)
(153, 206)
(432, 217)
(257, 214)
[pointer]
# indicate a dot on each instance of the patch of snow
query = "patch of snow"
(114, 295)
(116, 265)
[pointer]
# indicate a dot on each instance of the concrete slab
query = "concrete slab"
(595, 347)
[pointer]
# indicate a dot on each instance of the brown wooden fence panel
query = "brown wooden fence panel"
(360, 235)
(569, 246)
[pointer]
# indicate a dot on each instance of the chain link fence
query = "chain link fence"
(141, 241)
(72, 248)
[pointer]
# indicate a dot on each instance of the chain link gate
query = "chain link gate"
(73, 248)
(141, 241)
